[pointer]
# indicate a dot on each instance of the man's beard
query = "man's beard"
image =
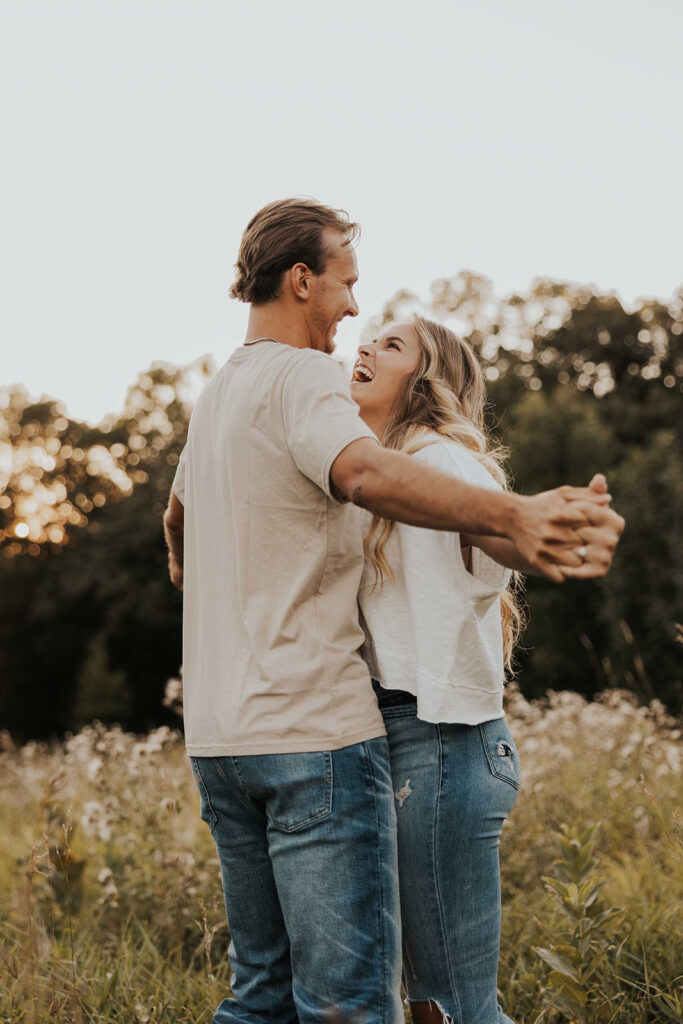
(322, 334)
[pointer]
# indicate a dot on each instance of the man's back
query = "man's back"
(272, 561)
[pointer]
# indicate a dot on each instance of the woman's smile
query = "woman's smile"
(381, 370)
(362, 374)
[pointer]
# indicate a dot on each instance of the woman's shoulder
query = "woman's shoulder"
(453, 457)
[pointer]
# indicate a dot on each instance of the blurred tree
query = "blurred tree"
(101, 692)
(564, 335)
(90, 626)
(557, 436)
(644, 590)
(77, 616)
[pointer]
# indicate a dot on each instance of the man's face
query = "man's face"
(332, 292)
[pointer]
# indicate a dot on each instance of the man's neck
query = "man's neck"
(273, 321)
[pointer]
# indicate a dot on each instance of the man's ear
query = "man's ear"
(300, 280)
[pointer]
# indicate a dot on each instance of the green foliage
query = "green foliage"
(555, 436)
(111, 908)
(625, 761)
(577, 966)
(110, 898)
(100, 691)
(90, 627)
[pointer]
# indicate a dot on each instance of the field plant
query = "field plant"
(593, 936)
(111, 909)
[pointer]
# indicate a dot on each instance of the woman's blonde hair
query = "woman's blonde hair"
(445, 394)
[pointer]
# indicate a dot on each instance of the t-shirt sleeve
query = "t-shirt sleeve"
(320, 417)
(178, 486)
(486, 576)
(455, 460)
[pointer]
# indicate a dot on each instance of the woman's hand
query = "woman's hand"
(546, 527)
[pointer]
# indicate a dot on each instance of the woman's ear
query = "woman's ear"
(421, 387)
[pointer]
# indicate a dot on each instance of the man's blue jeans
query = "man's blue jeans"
(307, 849)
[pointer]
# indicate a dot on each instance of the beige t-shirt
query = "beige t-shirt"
(272, 561)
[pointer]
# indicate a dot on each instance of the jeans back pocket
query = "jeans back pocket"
(301, 793)
(500, 751)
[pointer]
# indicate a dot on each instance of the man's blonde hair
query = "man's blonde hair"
(283, 233)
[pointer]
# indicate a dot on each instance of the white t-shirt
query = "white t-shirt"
(272, 562)
(437, 630)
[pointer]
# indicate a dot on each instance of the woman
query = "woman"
(441, 617)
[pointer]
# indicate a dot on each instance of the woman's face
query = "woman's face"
(381, 369)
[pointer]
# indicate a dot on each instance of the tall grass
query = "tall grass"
(110, 895)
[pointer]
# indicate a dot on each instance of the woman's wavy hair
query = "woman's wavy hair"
(446, 395)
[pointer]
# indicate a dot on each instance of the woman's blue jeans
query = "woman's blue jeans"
(307, 851)
(454, 786)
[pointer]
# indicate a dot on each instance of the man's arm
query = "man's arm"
(174, 532)
(398, 487)
(599, 540)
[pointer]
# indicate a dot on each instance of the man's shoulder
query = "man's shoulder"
(318, 362)
(274, 366)
(284, 356)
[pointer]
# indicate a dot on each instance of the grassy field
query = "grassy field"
(111, 906)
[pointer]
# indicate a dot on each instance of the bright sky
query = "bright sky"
(512, 137)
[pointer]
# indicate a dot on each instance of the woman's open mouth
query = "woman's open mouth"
(362, 374)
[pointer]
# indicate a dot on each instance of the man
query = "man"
(282, 728)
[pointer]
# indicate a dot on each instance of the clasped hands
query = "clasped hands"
(591, 533)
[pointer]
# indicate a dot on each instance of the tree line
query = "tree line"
(577, 383)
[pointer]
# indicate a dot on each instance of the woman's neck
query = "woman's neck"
(376, 420)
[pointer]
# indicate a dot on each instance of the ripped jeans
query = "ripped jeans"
(454, 786)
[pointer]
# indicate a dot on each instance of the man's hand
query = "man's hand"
(547, 530)
(577, 539)
(175, 571)
(174, 532)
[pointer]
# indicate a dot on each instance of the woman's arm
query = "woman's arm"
(505, 552)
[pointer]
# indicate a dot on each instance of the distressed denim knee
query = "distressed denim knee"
(454, 785)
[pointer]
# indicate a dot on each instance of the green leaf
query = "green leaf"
(568, 987)
(671, 1006)
(605, 915)
(567, 846)
(557, 962)
(569, 1007)
(568, 952)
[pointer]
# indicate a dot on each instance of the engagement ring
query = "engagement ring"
(582, 552)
